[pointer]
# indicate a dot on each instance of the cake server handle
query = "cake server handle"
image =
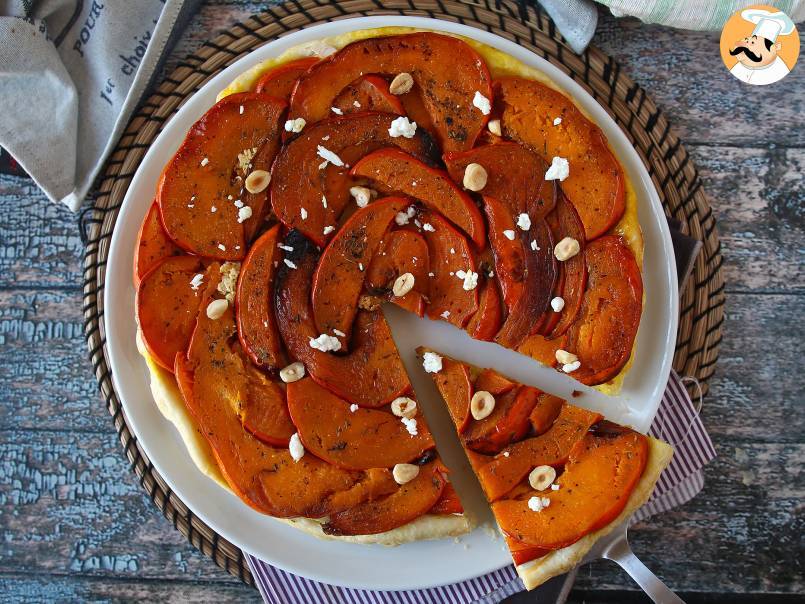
(620, 553)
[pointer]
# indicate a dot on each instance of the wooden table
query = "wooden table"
(76, 525)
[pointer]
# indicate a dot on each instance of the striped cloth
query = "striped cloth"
(677, 422)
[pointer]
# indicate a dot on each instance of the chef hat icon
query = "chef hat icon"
(768, 25)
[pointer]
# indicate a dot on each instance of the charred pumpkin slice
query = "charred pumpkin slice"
(167, 304)
(280, 80)
(447, 68)
(200, 186)
(372, 374)
(310, 178)
(599, 477)
(603, 334)
(408, 502)
(402, 251)
(450, 257)
(356, 439)
(538, 283)
(596, 182)
(565, 222)
(515, 175)
(395, 171)
(551, 448)
(153, 244)
(369, 93)
(257, 326)
(340, 274)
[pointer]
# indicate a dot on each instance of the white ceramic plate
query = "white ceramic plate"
(415, 565)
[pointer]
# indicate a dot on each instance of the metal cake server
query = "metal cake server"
(615, 547)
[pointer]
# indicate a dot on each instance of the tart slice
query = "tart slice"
(558, 477)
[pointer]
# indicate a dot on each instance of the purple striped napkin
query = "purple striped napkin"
(677, 423)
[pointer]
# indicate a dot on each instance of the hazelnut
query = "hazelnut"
(257, 181)
(217, 308)
(402, 406)
(482, 404)
(403, 285)
(292, 373)
(404, 472)
(401, 84)
(566, 249)
(541, 477)
(475, 177)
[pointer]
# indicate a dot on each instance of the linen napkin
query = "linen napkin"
(677, 422)
(71, 74)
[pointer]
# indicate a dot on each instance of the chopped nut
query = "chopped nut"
(295, 447)
(404, 472)
(475, 177)
(295, 125)
(541, 477)
(402, 406)
(362, 195)
(557, 304)
(566, 249)
(482, 404)
(292, 373)
(571, 367)
(257, 181)
(494, 127)
(564, 357)
(403, 285)
(401, 84)
(217, 308)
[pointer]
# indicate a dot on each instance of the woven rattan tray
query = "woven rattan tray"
(668, 163)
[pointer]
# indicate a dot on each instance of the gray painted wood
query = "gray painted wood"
(76, 525)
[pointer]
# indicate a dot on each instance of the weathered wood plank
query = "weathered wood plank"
(683, 73)
(27, 589)
(70, 505)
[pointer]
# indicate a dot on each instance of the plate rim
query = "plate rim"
(579, 95)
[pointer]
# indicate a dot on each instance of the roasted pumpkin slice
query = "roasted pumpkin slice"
(595, 184)
(310, 179)
(565, 222)
(538, 282)
(446, 68)
(402, 251)
(355, 439)
(167, 304)
(153, 244)
(551, 448)
(201, 193)
(369, 93)
(599, 477)
(263, 409)
(493, 382)
(372, 374)
(213, 380)
(280, 80)
(486, 322)
(541, 349)
(603, 335)
(545, 412)
(448, 503)
(515, 175)
(455, 386)
(395, 171)
(508, 422)
(339, 276)
(508, 250)
(407, 503)
(257, 327)
(453, 286)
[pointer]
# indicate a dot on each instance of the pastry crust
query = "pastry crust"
(538, 571)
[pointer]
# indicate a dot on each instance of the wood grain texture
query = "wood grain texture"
(76, 525)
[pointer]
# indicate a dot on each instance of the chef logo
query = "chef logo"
(759, 45)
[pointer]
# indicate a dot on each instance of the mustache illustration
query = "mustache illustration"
(749, 54)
